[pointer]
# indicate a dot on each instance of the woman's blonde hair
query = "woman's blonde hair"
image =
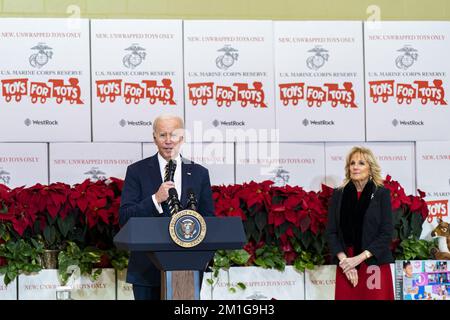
(374, 167)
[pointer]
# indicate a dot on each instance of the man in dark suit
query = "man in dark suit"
(145, 193)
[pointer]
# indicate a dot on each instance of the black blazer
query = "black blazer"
(142, 180)
(377, 227)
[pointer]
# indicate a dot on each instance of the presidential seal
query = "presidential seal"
(187, 228)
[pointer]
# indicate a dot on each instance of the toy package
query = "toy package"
(422, 279)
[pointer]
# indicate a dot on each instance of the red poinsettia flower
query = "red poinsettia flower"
(42, 199)
(277, 215)
(229, 208)
(398, 196)
(18, 217)
(110, 216)
(293, 205)
(313, 215)
(88, 191)
(4, 193)
(256, 194)
(325, 195)
(418, 204)
(116, 185)
(96, 209)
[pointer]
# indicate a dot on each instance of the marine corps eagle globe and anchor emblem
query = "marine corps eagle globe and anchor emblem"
(187, 228)
(227, 59)
(318, 59)
(40, 58)
(407, 58)
(135, 58)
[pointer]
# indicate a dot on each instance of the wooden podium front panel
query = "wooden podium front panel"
(180, 285)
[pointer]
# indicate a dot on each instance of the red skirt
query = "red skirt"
(374, 283)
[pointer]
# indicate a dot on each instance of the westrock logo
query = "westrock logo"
(280, 176)
(29, 122)
(124, 123)
(407, 59)
(96, 174)
(396, 122)
(233, 123)
(227, 59)
(135, 58)
(5, 177)
(319, 58)
(40, 58)
(307, 122)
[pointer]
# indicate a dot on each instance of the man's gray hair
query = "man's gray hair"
(167, 116)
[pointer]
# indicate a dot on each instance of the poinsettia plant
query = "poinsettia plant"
(409, 213)
(87, 214)
(286, 219)
(98, 203)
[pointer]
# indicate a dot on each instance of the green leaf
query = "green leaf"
(241, 285)
(416, 224)
(239, 257)
(260, 262)
(67, 224)
(261, 220)
(306, 239)
(250, 229)
(50, 235)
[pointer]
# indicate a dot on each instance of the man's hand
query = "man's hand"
(350, 263)
(163, 192)
(352, 276)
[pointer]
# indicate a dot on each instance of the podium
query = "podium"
(180, 280)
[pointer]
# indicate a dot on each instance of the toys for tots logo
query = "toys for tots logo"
(315, 95)
(407, 92)
(242, 93)
(56, 89)
(134, 92)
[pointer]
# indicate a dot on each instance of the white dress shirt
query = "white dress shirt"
(176, 178)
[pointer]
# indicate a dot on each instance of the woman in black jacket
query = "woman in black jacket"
(359, 231)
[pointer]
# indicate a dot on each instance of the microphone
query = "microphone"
(172, 165)
(192, 200)
(173, 202)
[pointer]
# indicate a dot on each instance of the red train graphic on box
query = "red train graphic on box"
(242, 93)
(133, 92)
(383, 90)
(41, 92)
(294, 93)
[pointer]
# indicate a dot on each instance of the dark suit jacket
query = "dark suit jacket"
(377, 227)
(142, 180)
